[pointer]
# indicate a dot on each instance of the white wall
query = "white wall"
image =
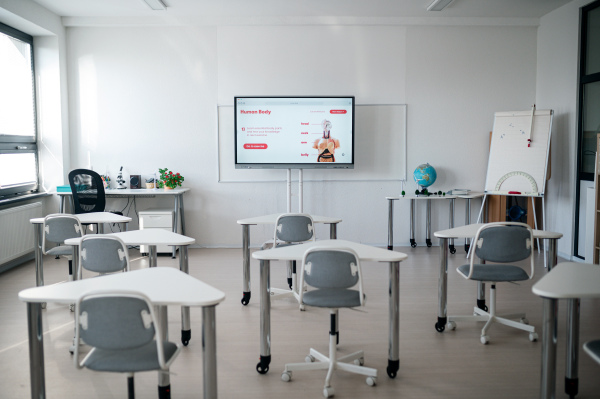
(146, 97)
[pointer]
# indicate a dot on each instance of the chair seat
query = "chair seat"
(144, 358)
(494, 273)
(332, 298)
(62, 250)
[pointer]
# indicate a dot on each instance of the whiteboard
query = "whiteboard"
(516, 165)
(379, 149)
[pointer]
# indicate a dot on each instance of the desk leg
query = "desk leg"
(451, 224)
(394, 319)
(428, 224)
(413, 210)
(164, 383)
(181, 214)
(175, 221)
(467, 222)
(36, 351)
(333, 231)
(246, 265)
(391, 225)
(552, 258)
(440, 326)
(209, 351)
(39, 256)
(572, 369)
(152, 255)
(265, 317)
(549, 337)
(186, 328)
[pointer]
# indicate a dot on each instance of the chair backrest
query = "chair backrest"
(294, 227)
(116, 320)
(88, 191)
(102, 253)
(59, 227)
(327, 268)
(504, 242)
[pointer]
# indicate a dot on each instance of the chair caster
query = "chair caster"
(286, 376)
(524, 321)
(245, 298)
(328, 392)
(360, 361)
(451, 326)
(72, 307)
(309, 359)
(302, 308)
(485, 339)
(533, 336)
(371, 381)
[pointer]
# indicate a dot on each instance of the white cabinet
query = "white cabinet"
(156, 219)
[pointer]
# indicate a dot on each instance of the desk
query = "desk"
(152, 238)
(177, 194)
(468, 197)
(93, 217)
(469, 231)
(164, 286)
(296, 252)
(571, 281)
(270, 219)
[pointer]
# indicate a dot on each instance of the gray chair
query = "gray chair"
(57, 228)
(502, 243)
(103, 254)
(120, 326)
(592, 348)
(333, 273)
(290, 229)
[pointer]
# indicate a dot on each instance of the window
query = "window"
(18, 148)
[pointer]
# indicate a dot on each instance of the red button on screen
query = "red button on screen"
(255, 146)
(338, 111)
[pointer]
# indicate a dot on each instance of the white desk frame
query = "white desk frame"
(177, 194)
(93, 217)
(570, 281)
(270, 219)
(296, 252)
(152, 238)
(164, 286)
(469, 231)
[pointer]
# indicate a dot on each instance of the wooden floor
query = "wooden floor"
(452, 364)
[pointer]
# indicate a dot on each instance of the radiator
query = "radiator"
(16, 233)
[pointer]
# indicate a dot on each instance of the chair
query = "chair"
(502, 242)
(120, 326)
(88, 191)
(332, 272)
(57, 228)
(103, 254)
(592, 348)
(290, 229)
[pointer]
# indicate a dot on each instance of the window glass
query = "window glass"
(592, 64)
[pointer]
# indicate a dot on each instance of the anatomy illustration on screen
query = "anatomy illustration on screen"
(326, 145)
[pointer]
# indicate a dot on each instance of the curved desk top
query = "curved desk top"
(163, 285)
(570, 280)
(146, 237)
(364, 252)
(470, 230)
(93, 217)
(271, 219)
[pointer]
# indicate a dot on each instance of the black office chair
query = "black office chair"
(88, 191)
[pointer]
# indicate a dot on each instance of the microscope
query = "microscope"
(120, 180)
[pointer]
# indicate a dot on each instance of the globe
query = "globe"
(425, 175)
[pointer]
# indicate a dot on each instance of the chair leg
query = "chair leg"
(130, 387)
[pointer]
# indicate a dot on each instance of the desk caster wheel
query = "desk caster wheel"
(392, 368)
(186, 335)
(440, 326)
(452, 249)
(481, 305)
(263, 366)
(428, 241)
(467, 247)
(413, 243)
(245, 298)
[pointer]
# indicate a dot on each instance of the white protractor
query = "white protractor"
(534, 187)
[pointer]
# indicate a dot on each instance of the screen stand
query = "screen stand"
(300, 191)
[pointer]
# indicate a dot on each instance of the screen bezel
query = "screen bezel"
(311, 165)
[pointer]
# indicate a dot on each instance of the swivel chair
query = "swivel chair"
(502, 242)
(88, 191)
(332, 272)
(57, 228)
(121, 328)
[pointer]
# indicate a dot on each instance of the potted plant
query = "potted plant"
(169, 180)
(150, 183)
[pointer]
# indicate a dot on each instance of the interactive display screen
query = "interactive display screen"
(294, 132)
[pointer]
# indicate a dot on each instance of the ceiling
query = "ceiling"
(303, 8)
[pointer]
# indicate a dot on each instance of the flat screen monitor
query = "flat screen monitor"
(294, 132)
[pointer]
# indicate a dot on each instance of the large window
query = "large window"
(18, 149)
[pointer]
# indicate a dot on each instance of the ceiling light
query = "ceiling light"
(437, 5)
(156, 5)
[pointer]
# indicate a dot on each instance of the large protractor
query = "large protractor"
(534, 187)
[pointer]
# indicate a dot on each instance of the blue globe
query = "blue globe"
(425, 175)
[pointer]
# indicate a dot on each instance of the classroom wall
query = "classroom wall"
(146, 97)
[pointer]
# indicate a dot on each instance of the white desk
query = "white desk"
(469, 231)
(570, 281)
(270, 219)
(93, 217)
(164, 286)
(177, 194)
(296, 252)
(152, 238)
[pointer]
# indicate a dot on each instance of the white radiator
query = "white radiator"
(16, 233)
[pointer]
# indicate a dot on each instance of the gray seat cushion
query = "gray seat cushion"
(64, 250)
(494, 273)
(144, 358)
(332, 298)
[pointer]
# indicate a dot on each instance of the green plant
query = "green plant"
(169, 179)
